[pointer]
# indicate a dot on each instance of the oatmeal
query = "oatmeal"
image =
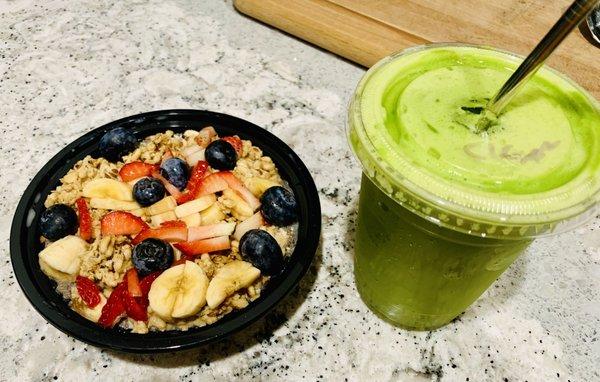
(170, 233)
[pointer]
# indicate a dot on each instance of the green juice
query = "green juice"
(445, 207)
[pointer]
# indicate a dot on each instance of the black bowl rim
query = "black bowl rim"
(89, 332)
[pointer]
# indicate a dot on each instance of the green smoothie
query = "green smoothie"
(446, 205)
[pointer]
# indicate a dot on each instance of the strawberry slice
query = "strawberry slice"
(205, 136)
(114, 309)
(134, 309)
(133, 283)
(198, 173)
(174, 191)
(236, 185)
(192, 248)
(211, 184)
(208, 231)
(121, 223)
(85, 219)
(236, 142)
(145, 285)
(163, 233)
(88, 291)
(173, 224)
(136, 170)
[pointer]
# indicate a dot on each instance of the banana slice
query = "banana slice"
(259, 185)
(195, 205)
(192, 220)
(240, 209)
(108, 189)
(64, 255)
(179, 291)
(54, 274)
(228, 280)
(165, 205)
(92, 314)
(212, 215)
(114, 204)
(157, 220)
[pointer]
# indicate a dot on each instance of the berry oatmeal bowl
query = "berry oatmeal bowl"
(165, 230)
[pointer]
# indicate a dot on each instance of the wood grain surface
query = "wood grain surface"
(364, 31)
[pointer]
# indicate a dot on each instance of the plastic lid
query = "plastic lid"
(535, 171)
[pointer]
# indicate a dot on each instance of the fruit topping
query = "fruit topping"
(176, 172)
(159, 219)
(211, 184)
(262, 250)
(85, 219)
(163, 233)
(194, 183)
(229, 279)
(195, 205)
(63, 255)
(152, 255)
(136, 170)
(106, 188)
(259, 185)
(114, 309)
(212, 215)
(205, 136)
(279, 207)
(133, 283)
(239, 208)
(171, 189)
(173, 223)
(253, 222)
(121, 223)
(236, 142)
(133, 308)
(58, 221)
(148, 191)
(193, 220)
(117, 143)
(221, 155)
(164, 205)
(88, 291)
(113, 204)
(198, 247)
(237, 186)
(179, 291)
(208, 231)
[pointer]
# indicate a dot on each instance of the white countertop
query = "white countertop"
(71, 66)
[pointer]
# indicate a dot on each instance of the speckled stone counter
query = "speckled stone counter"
(67, 67)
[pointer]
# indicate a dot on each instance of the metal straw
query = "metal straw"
(568, 21)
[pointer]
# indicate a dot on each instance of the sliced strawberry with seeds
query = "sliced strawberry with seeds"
(211, 184)
(236, 142)
(196, 177)
(236, 185)
(191, 248)
(173, 223)
(133, 283)
(88, 291)
(136, 170)
(85, 219)
(146, 282)
(163, 233)
(114, 309)
(134, 309)
(171, 189)
(121, 223)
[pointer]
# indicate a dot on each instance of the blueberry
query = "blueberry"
(116, 143)
(58, 221)
(278, 206)
(148, 191)
(176, 171)
(152, 255)
(221, 155)
(262, 250)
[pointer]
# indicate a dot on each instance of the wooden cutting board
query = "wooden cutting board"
(364, 31)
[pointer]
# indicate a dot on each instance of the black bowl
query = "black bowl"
(40, 290)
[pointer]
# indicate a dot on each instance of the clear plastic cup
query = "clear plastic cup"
(429, 244)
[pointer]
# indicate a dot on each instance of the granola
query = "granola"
(184, 260)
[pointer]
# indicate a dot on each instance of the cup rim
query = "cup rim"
(448, 213)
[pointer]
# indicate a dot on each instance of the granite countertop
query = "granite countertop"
(67, 67)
